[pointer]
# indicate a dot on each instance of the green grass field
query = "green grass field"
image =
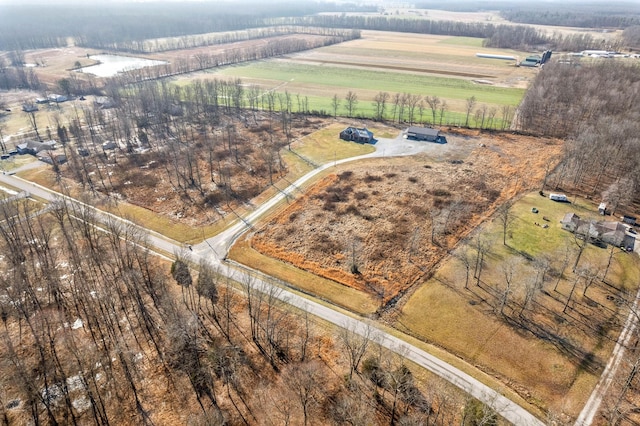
(364, 82)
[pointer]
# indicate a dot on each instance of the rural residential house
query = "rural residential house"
(51, 158)
(57, 98)
(34, 147)
(609, 232)
(357, 135)
(30, 107)
(425, 134)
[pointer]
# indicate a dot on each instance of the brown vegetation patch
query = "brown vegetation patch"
(382, 226)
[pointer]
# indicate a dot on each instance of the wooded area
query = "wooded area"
(96, 331)
(594, 106)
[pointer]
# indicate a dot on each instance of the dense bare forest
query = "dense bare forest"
(594, 106)
(96, 330)
(99, 26)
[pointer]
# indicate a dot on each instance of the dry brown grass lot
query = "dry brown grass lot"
(379, 214)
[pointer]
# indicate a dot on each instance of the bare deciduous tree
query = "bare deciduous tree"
(355, 339)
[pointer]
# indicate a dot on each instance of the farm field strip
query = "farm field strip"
(338, 79)
(398, 68)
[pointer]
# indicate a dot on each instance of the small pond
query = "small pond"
(111, 65)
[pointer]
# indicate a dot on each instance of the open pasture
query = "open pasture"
(416, 64)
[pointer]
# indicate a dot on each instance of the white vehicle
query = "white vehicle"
(558, 197)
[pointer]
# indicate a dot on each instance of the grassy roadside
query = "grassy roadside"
(334, 293)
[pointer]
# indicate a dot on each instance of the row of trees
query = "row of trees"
(412, 109)
(212, 39)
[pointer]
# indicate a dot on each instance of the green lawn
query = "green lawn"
(324, 146)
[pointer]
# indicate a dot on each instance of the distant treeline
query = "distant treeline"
(616, 14)
(523, 37)
(130, 27)
(574, 18)
(25, 27)
(495, 35)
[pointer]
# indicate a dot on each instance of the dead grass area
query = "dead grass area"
(371, 227)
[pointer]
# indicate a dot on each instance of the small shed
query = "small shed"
(570, 222)
(425, 134)
(51, 158)
(602, 208)
(30, 107)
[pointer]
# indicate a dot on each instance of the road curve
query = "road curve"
(215, 250)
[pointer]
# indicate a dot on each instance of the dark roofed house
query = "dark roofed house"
(34, 147)
(425, 134)
(357, 135)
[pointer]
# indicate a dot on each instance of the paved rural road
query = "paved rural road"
(593, 403)
(215, 250)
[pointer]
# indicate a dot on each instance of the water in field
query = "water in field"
(110, 65)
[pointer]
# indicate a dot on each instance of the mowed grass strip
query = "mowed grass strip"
(465, 321)
(335, 293)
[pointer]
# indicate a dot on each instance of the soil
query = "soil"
(382, 226)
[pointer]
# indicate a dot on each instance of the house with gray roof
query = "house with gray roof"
(357, 135)
(614, 233)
